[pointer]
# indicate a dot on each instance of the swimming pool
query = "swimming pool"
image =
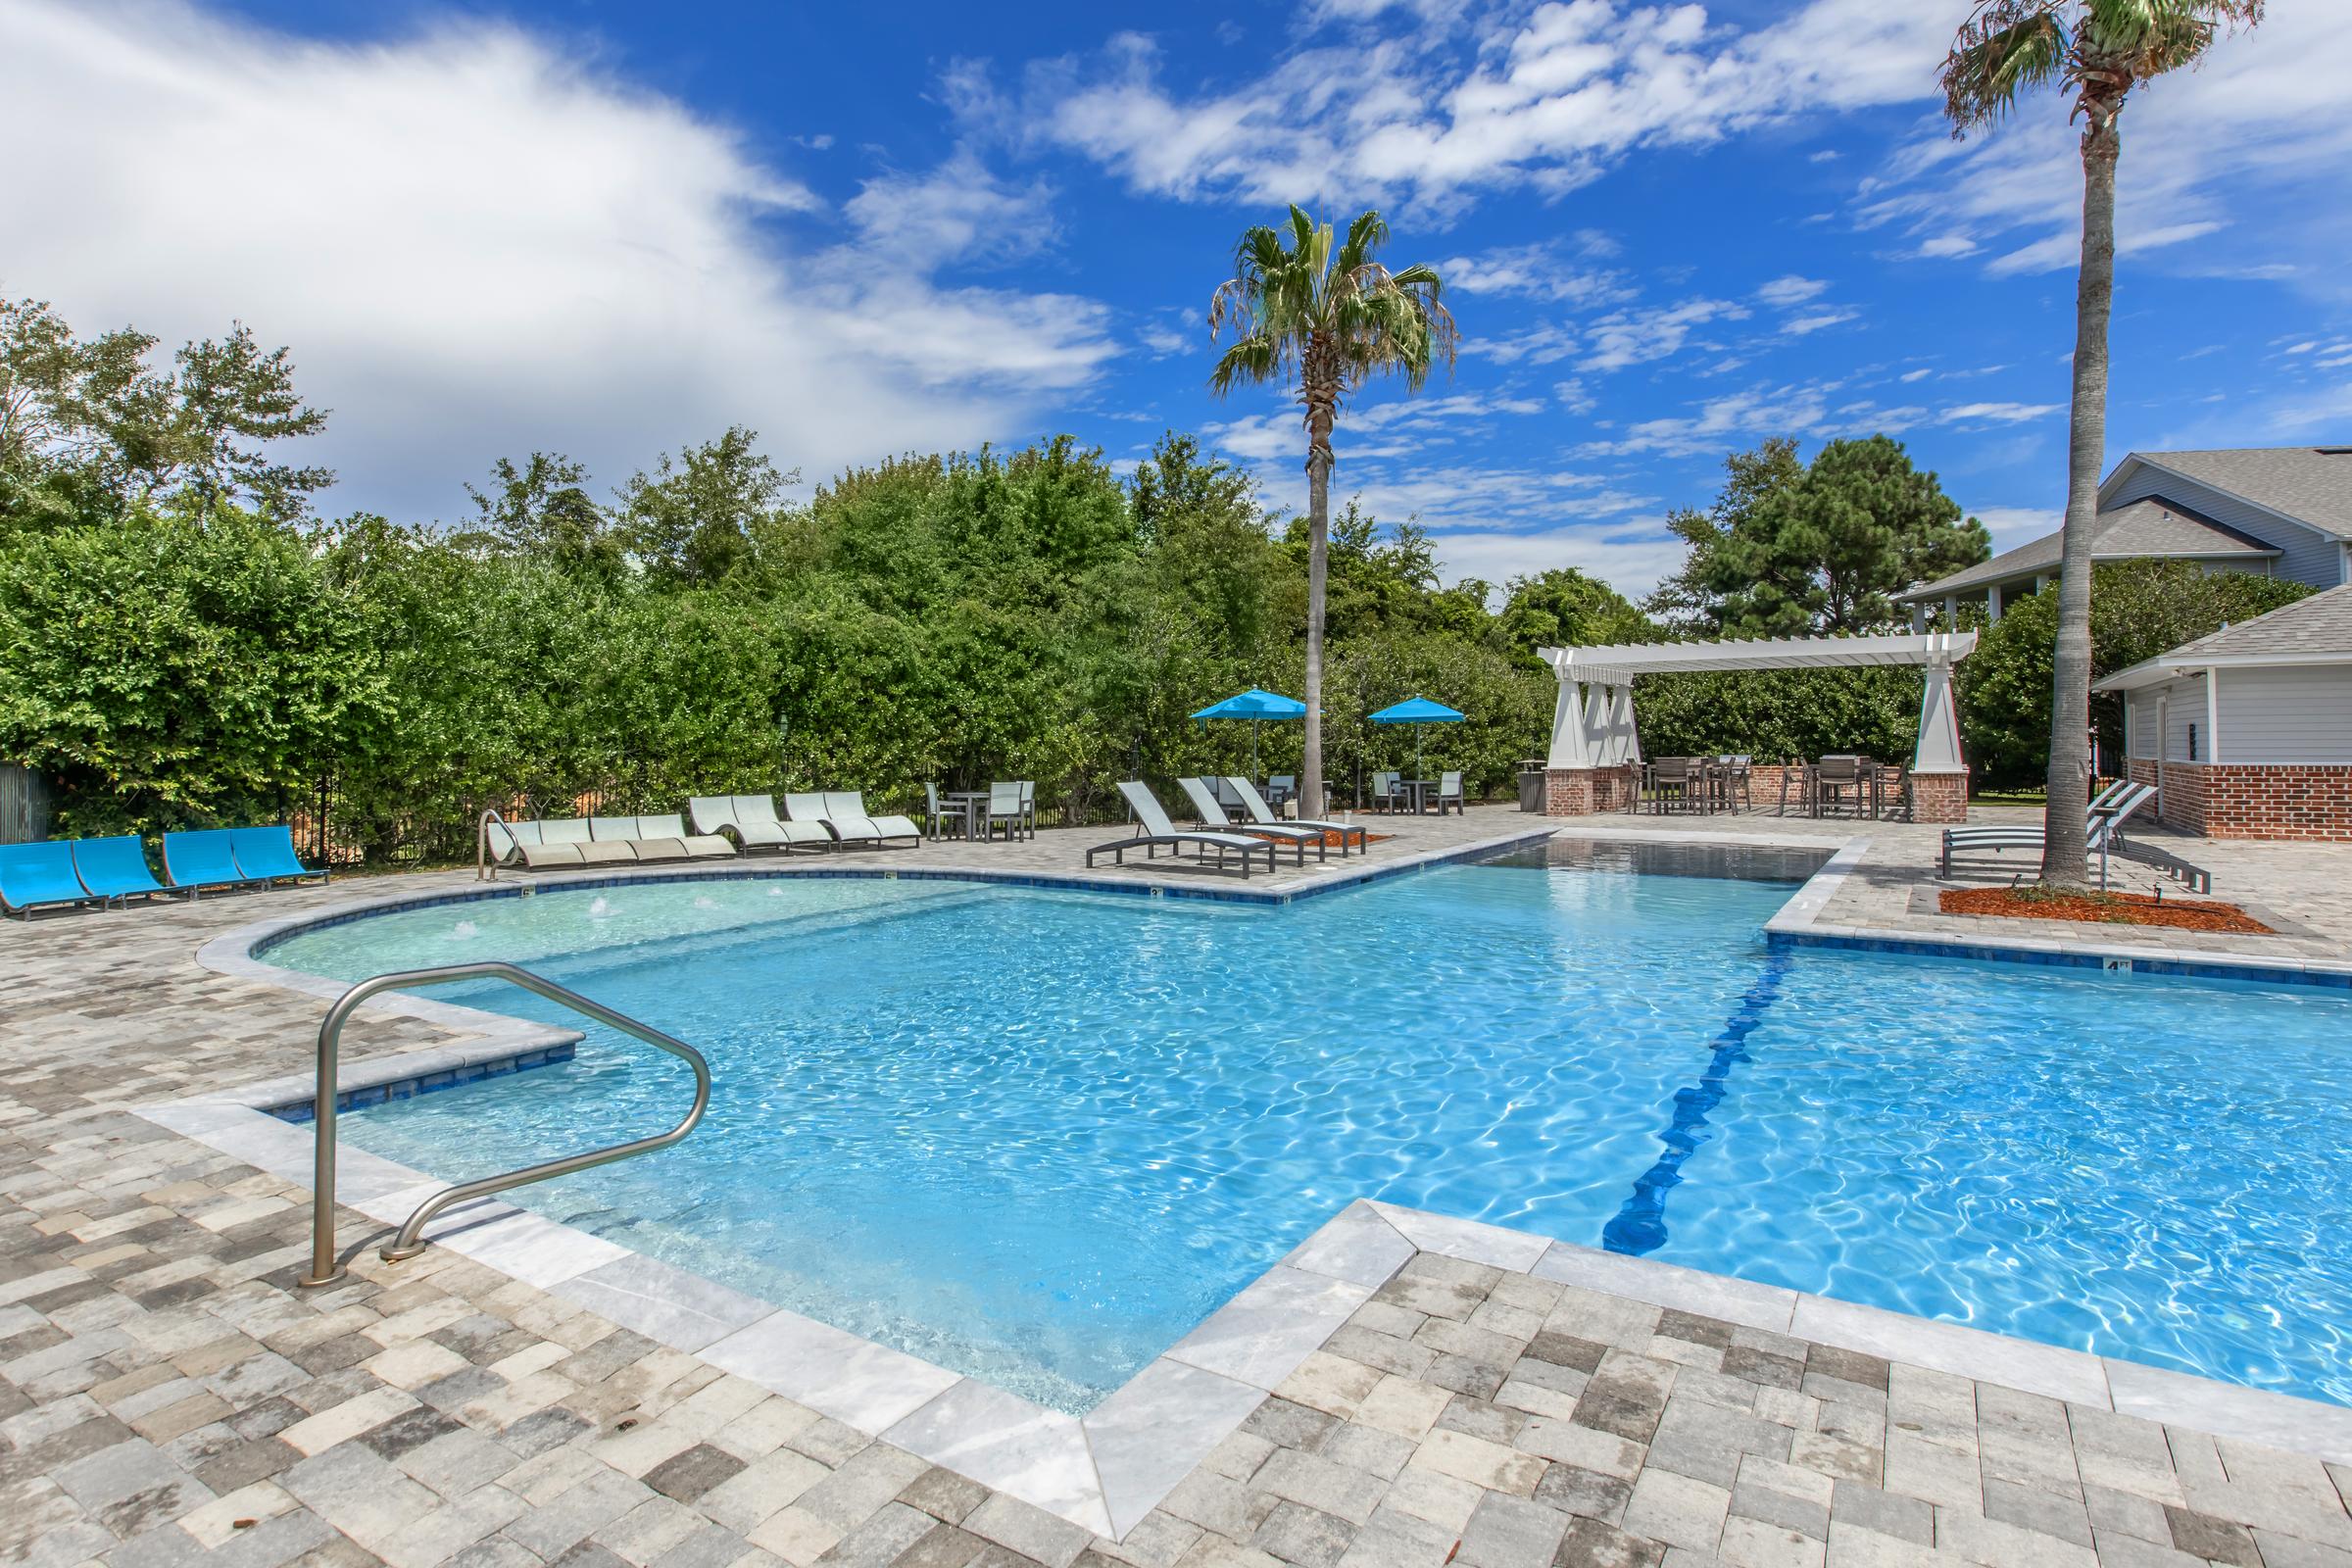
(1036, 1136)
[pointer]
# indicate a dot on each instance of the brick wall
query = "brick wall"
(1939, 797)
(2254, 801)
(1586, 791)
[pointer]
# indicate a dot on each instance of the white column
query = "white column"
(1569, 746)
(2213, 716)
(1600, 744)
(1938, 723)
(1992, 604)
(1629, 736)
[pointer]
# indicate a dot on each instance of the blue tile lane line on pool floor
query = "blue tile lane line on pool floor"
(1640, 1225)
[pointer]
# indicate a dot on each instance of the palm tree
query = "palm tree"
(2097, 51)
(1324, 319)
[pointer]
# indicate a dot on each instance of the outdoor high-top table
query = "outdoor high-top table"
(1418, 791)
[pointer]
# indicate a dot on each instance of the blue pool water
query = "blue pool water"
(1037, 1136)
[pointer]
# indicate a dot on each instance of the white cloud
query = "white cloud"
(1630, 558)
(2257, 132)
(1549, 98)
(1792, 290)
(1544, 343)
(2011, 527)
(1815, 320)
(1916, 376)
(959, 214)
(1650, 332)
(1998, 413)
(477, 246)
(1534, 271)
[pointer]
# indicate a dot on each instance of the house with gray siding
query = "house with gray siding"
(2282, 511)
(2248, 733)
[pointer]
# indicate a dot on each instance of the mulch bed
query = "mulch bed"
(2102, 909)
(1333, 841)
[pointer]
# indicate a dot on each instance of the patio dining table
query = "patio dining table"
(974, 803)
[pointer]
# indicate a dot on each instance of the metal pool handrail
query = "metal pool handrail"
(324, 1269)
(485, 869)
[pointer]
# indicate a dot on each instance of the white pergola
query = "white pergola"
(1593, 726)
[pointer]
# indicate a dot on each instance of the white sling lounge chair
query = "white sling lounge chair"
(1158, 830)
(527, 842)
(2102, 829)
(671, 829)
(621, 830)
(849, 805)
(1211, 812)
(2104, 801)
(1261, 814)
(561, 841)
(759, 826)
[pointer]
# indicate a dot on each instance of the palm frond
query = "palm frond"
(2005, 47)
(1314, 309)
(1252, 361)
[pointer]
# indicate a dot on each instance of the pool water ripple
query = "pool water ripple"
(1036, 1136)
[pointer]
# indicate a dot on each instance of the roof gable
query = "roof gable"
(2309, 485)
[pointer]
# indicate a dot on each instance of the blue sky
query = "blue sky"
(1668, 232)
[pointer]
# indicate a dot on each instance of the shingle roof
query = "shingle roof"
(2151, 526)
(2320, 624)
(2312, 484)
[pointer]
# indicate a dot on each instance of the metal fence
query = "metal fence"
(24, 805)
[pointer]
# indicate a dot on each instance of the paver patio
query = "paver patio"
(168, 1397)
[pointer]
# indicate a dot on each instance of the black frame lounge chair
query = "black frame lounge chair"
(1211, 812)
(2102, 829)
(1157, 830)
(1261, 813)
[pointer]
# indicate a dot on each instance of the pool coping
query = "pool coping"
(1105, 1470)
(1802, 922)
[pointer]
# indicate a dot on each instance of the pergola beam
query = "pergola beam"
(1592, 723)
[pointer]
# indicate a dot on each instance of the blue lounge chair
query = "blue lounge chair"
(114, 869)
(34, 874)
(267, 855)
(204, 857)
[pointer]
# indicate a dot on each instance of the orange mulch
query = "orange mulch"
(2106, 908)
(1333, 841)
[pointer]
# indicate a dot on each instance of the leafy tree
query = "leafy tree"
(1689, 600)
(1565, 609)
(542, 509)
(2096, 51)
(1820, 551)
(88, 429)
(1324, 316)
(694, 520)
(2139, 608)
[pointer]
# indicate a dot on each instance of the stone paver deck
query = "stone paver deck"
(168, 1397)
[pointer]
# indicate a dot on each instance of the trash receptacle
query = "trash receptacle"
(1531, 787)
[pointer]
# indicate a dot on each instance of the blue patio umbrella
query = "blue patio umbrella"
(1255, 704)
(1417, 711)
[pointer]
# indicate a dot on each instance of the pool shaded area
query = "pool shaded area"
(1037, 1136)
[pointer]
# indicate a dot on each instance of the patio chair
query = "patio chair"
(1211, 812)
(529, 842)
(671, 829)
(849, 806)
(1737, 769)
(617, 830)
(2100, 803)
(1029, 808)
(1258, 811)
(2102, 829)
(759, 827)
(35, 875)
(116, 869)
(951, 820)
(202, 858)
(1449, 793)
(591, 847)
(1674, 783)
(1834, 778)
(1280, 789)
(1385, 792)
(1004, 807)
(1157, 831)
(267, 855)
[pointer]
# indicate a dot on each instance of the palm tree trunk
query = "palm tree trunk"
(1320, 415)
(2063, 856)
